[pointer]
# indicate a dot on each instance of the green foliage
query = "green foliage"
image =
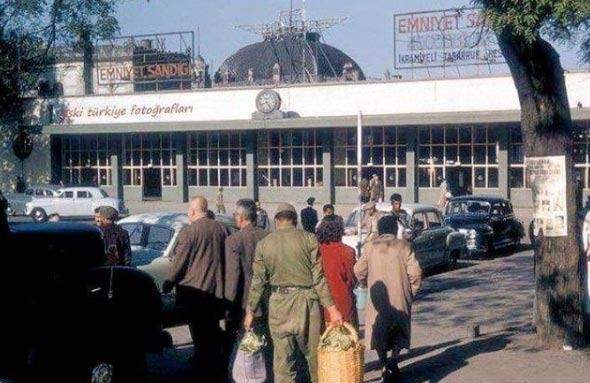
(31, 32)
(251, 342)
(566, 21)
(338, 339)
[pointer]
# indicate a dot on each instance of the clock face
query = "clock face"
(268, 101)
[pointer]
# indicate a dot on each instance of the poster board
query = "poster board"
(546, 178)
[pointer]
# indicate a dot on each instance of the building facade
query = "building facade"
(170, 145)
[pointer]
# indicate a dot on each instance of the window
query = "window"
(29, 192)
(418, 222)
(83, 194)
(149, 151)
(86, 160)
(135, 231)
(158, 237)
(580, 153)
(217, 159)
(468, 153)
(434, 220)
(384, 154)
(67, 194)
(290, 158)
(40, 192)
(516, 157)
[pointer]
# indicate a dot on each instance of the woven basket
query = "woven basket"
(341, 366)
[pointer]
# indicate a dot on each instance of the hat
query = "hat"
(369, 206)
(108, 212)
(310, 200)
(286, 207)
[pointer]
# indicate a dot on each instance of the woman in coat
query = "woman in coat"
(389, 269)
(338, 264)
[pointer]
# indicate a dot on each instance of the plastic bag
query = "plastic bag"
(248, 362)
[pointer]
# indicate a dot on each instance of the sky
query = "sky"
(367, 35)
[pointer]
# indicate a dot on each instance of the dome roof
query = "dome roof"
(301, 57)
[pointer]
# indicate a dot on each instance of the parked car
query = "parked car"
(435, 243)
(65, 316)
(488, 223)
(17, 201)
(153, 237)
(73, 202)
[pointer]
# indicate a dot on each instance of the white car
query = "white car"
(72, 202)
(435, 243)
(153, 237)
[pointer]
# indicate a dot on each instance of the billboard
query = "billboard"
(445, 38)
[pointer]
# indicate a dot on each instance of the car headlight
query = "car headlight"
(469, 233)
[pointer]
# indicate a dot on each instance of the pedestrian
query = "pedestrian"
(309, 216)
(402, 217)
(329, 214)
(97, 217)
(375, 189)
(287, 262)
(4, 229)
(239, 257)
(262, 220)
(197, 272)
(219, 202)
(365, 190)
(117, 243)
(371, 219)
(388, 267)
(338, 263)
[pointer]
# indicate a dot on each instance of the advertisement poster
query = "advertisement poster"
(546, 176)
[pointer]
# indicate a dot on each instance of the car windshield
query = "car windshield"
(468, 207)
(158, 237)
(135, 231)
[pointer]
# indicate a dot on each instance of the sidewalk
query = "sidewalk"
(497, 295)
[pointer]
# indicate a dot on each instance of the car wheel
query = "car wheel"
(39, 215)
(130, 368)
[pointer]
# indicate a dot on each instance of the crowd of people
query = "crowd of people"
(290, 284)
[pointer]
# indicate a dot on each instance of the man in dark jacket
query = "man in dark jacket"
(309, 216)
(117, 244)
(197, 271)
(239, 255)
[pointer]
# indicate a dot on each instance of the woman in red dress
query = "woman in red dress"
(338, 262)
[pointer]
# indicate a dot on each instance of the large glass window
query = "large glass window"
(290, 158)
(581, 152)
(86, 160)
(153, 152)
(217, 159)
(469, 154)
(516, 158)
(384, 153)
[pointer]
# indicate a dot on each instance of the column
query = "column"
(181, 159)
(326, 138)
(411, 163)
(503, 161)
(251, 164)
(116, 160)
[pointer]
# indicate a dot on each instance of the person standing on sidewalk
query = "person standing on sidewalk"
(262, 220)
(388, 267)
(309, 216)
(338, 263)
(287, 262)
(219, 202)
(117, 243)
(197, 271)
(372, 217)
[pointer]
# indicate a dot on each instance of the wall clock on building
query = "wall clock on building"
(267, 101)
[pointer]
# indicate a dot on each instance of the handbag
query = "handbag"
(248, 360)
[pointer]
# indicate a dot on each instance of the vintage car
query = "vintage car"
(153, 237)
(488, 223)
(17, 201)
(73, 202)
(65, 316)
(435, 243)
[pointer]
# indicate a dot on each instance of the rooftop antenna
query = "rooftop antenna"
(303, 13)
(198, 41)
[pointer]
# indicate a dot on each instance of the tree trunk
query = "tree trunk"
(547, 131)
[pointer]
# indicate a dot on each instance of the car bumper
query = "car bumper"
(476, 246)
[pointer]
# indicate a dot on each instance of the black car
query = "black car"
(66, 317)
(488, 223)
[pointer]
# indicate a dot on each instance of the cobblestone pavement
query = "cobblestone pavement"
(495, 294)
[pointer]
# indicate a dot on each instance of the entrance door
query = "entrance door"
(152, 183)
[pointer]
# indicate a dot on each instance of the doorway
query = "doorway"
(152, 184)
(459, 180)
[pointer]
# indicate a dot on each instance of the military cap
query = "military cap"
(108, 212)
(286, 207)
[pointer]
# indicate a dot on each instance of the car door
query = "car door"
(421, 240)
(83, 204)
(64, 204)
(437, 234)
(500, 225)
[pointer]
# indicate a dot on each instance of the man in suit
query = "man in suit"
(309, 216)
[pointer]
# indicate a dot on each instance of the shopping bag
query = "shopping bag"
(340, 356)
(248, 362)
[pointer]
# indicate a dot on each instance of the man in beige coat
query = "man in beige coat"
(389, 269)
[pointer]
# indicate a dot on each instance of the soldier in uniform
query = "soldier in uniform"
(219, 202)
(116, 238)
(287, 262)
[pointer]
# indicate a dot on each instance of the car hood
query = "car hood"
(463, 221)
